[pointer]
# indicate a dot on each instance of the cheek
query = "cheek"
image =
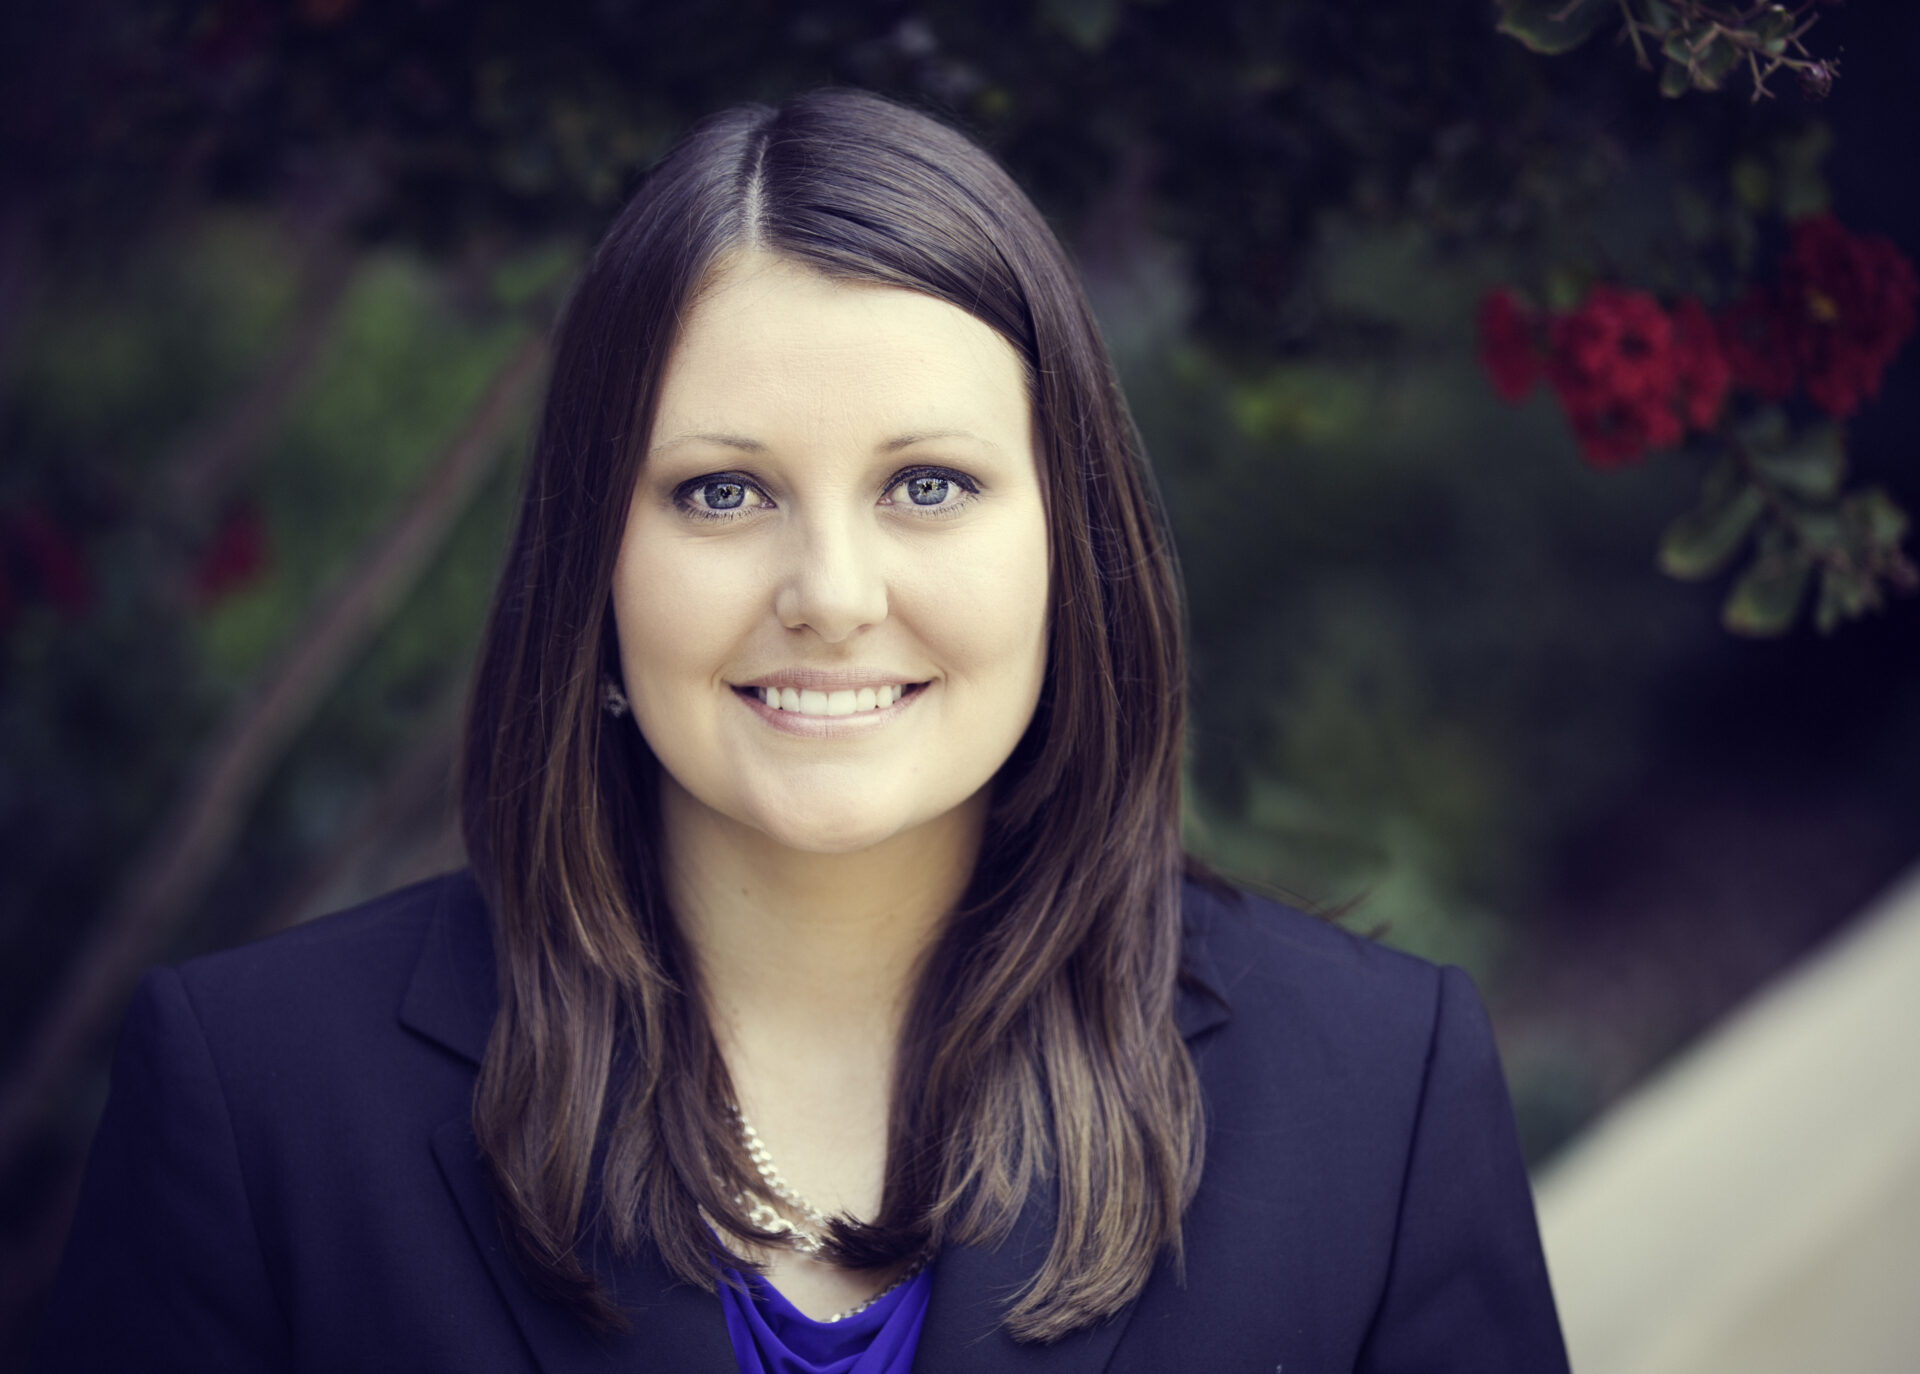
(986, 607)
(669, 615)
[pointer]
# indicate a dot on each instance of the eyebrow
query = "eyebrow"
(926, 436)
(736, 441)
(746, 445)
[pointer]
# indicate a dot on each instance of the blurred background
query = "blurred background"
(275, 281)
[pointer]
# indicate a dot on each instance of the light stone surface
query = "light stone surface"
(1755, 1207)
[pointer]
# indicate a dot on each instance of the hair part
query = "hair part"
(1040, 1049)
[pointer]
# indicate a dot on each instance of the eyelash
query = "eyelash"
(684, 494)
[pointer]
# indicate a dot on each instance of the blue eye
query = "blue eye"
(937, 491)
(928, 491)
(723, 495)
(720, 496)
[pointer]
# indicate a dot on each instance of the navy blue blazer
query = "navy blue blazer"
(286, 1179)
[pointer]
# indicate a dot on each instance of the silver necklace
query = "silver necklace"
(809, 1235)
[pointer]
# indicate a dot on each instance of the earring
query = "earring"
(613, 698)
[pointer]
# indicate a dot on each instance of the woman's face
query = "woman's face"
(831, 596)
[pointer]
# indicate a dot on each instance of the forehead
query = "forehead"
(770, 340)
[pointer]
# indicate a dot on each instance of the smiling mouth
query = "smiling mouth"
(808, 702)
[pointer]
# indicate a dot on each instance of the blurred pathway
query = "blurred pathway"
(1755, 1206)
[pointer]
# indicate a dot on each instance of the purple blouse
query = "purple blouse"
(772, 1336)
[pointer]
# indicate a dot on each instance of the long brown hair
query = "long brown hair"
(1040, 1049)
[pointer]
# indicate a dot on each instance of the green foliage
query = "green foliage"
(1766, 599)
(540, 273)
(132, 352)
(1705, 539)
(399, 381)
(1778, 492)
(1553, 26)
(1700, 42)
(1811, 464)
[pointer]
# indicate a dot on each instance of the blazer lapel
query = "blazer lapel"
(1199, 999)
(672, 1327)
(451, 997)
(675, 1327)
(972, 1285)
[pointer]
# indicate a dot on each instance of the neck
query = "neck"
(816, 953)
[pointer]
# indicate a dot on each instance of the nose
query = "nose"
(834, 583)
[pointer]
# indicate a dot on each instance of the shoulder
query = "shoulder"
(330, 990)
(1360, 1160)
(266, 1146)
(1273, 970)
(1339, 1041)
(365, 952)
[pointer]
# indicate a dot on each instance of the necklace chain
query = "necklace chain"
(809, 1237)
(809, 1234)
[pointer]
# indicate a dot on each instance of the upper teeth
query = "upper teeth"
(830, 703)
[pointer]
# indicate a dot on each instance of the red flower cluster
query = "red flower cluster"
(1633, 377)
(1630, 376)
(1848, 303)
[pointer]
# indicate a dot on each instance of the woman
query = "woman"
(826, 992)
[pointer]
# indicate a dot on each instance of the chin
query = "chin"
(849, 833)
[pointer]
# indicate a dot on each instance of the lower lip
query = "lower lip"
(828, 727)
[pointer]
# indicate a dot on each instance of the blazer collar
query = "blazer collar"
(451, 1000)
(451, 997)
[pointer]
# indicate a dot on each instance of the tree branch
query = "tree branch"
(187, 848)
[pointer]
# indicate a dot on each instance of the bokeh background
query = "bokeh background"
(275, 280)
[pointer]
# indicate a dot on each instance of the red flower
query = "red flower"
(1612, 364)
(1757, 339)
(1701, 373)
(1507, 348)
(1849, 302)
(236, 556)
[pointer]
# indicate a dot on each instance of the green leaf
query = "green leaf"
(1820, 530)
(1873, 510)
(1774, 28)
(1710, 67)
(1829, 610)
(1844, 595)
(1655, 14)
(1765, 600)
(1812, 466)
(1763, 429)
(1701, 542)
(1676, 79)
(1538, 24)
